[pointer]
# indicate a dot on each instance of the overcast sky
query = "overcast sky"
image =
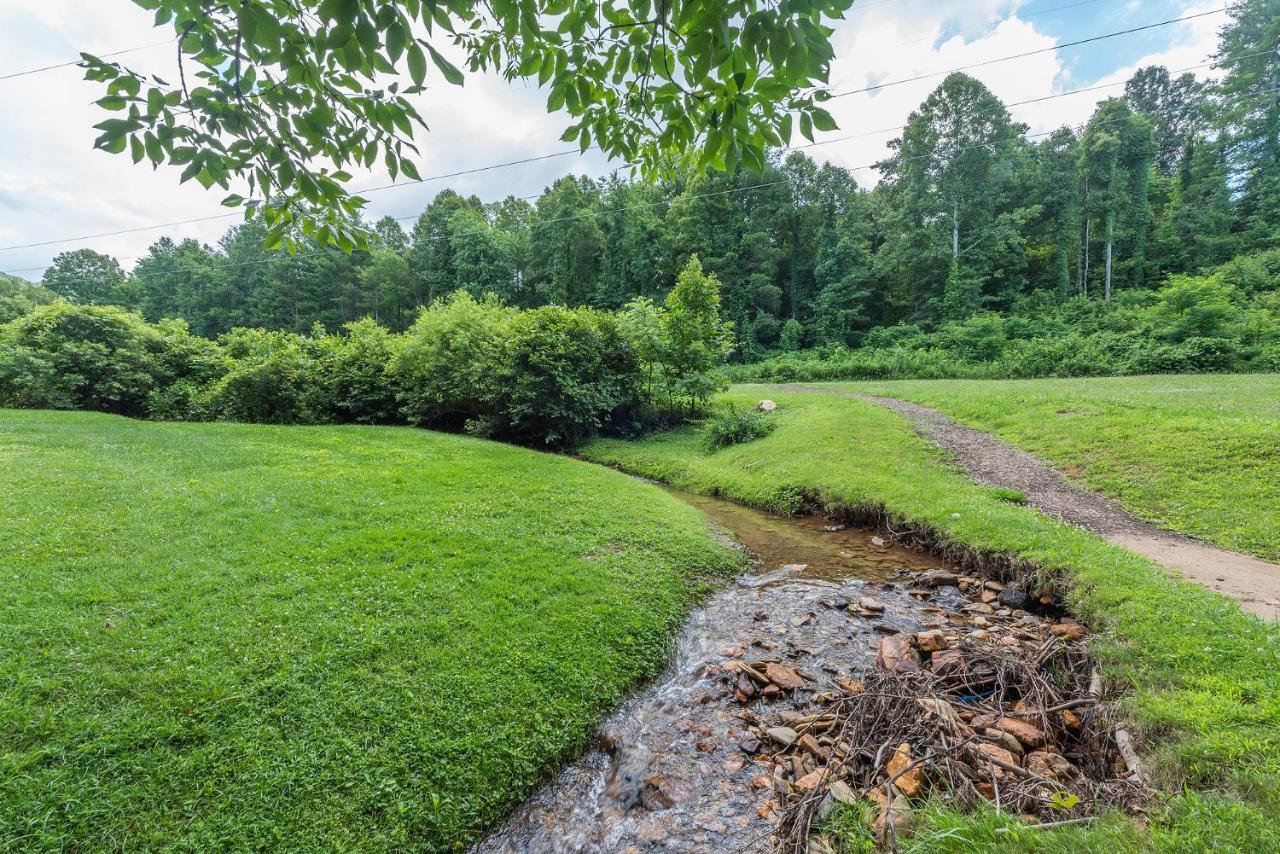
(53, 185)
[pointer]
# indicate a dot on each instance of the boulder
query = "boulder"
(1068, 631)
(1051, 765)
(766, 406)
(1014, 597)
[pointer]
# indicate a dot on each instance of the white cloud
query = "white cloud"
(53, 184)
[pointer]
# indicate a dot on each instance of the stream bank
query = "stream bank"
(731, 749)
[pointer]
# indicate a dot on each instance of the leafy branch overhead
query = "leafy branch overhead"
(289, 96)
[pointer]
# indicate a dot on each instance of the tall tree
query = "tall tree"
(1249, 112)
(1117, 150)
(1175, 107)
(951, 166)
(564, 263)
(83, 275)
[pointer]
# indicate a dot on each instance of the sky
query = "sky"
(55, 187)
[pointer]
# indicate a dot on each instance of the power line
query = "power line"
(658, 203)
(11, 75)
(527, 160)
(1052, 48)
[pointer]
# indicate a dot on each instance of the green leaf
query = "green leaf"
(822, 120)
(452, 74)
(417, 64)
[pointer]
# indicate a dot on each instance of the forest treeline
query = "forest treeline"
(1076, 231)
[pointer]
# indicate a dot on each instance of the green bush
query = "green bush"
(446, 370)
(734, 428)
(566, 373)
(101, 358)
(272, 377)
(353, 369)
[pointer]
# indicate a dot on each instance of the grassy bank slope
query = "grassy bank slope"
(1202, 677)
(1197, 454)
(222, 637)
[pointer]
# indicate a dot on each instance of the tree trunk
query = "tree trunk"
(1084, 246)
(955, 229)
(1111, 225)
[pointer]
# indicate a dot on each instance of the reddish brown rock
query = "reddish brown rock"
(1029, 735)
(909, 782)
(897, 655)
(931, 641)
(1068, 631)
(1051, 765)
(947, 662)
(782, 676)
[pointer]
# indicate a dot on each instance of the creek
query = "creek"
(674, 767)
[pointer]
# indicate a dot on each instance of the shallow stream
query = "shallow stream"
(673, 768)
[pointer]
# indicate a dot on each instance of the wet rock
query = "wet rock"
(831, 529)
(878, 541)
(782, 676)
(871, 605)
(784, 735)
(937, 578)
(897, 655)
(1015, 597)
(749, 744)
(658, 793)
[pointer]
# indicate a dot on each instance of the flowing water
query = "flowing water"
(673, 767)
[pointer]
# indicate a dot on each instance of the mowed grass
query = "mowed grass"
(1197, 454)
(1201, 679)
(230, 637)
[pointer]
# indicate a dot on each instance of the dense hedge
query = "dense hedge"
(549, 376)
(1226, 321)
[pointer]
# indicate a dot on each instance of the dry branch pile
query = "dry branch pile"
(997, 704)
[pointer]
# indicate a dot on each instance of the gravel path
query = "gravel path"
(1253, 582)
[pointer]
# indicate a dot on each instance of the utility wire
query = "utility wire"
(11, 75)
(1052, 48)
(658, 203)
(526, 160)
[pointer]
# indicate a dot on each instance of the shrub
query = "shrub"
(353, 368)
(272, 377)
(446, 371)
(734, 428)
(566, 374)
(66, 356)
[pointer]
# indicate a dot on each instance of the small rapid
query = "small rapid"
(675, 767)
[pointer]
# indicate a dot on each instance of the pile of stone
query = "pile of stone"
(993, 700)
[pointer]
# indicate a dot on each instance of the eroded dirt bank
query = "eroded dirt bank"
(1253, 582)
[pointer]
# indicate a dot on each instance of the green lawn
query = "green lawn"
(1198, 454)
(223, 637)
(1202, 678)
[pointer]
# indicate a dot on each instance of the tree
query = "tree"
(85, 276)
(288, 96)
(565, 244)
(695, 339)
(951, 166)
(1249, 113)
(1117, 150)
(481, 262)
(431, 244)
(1175, 108)
(1057, 159)
(391, 283)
